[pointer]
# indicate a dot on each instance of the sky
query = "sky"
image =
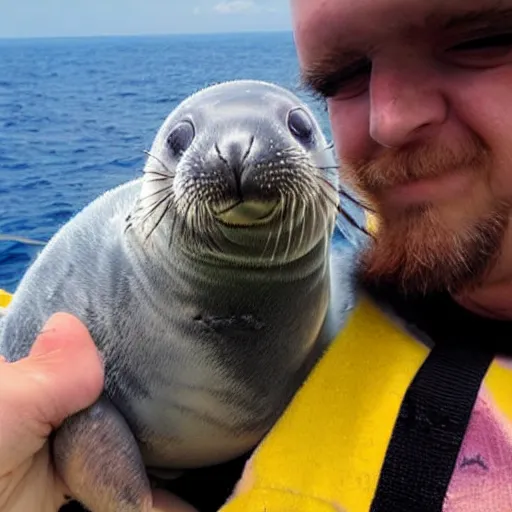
(64, 18)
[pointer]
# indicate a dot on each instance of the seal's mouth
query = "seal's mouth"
(248, 213)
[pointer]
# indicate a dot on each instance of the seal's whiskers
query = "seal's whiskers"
(156, 192)
(155, 180)
(144, 212)
(325, 195)
(344, 193)
(278, 237)
(302, 227)
(154, 206)
(156, 173)
(313, 222)
(290, 227)
(354, 223)
(206, 228)
(323, 180)
(270, 233)
(325, 191)
(148, 171)
(307, 200)
(159, 220)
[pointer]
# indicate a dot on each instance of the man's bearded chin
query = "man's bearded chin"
(414, 249)
(419, 254)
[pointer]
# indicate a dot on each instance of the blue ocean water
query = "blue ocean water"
(76, 115)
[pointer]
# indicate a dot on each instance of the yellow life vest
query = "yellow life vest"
(326, 452)
(5, 298)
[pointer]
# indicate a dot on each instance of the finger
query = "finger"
(62, 375)
(166, 502)
(66, 367)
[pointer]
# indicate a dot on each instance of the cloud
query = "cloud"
(240, 6)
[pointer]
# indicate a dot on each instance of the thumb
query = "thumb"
(61, 375)
(66, 367)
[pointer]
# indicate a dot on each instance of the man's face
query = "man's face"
(419, 94)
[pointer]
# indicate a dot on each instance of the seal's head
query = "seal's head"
(241, 170)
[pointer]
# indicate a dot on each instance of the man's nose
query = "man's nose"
(406, 104)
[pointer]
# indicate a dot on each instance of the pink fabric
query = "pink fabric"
(482, 480)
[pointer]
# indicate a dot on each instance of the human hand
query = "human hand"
(62, 375)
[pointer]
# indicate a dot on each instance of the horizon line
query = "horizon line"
(147, 34)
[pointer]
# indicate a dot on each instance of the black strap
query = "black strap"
(429, 431)
(437, 406)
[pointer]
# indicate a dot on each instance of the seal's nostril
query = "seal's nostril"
(251, 142)
(222, 158)
(235, 151)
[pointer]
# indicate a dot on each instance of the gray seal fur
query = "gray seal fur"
(206, 285)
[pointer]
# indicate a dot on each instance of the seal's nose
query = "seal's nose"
(242, 157)
(234, 150)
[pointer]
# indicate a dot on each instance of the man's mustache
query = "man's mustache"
(401, 166)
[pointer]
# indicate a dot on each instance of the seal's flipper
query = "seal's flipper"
(97, 457)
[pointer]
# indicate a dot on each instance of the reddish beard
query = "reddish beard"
(414, 248)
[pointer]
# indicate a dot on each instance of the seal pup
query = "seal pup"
(206, 285)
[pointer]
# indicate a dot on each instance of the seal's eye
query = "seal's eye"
(300, 125)
(181, 137)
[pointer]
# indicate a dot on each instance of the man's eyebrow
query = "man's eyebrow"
(485, 17)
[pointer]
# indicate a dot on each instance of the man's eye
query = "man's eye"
(347, 82)
(496, 41)
(482, 52)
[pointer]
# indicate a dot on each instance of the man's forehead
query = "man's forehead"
(354, 24)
